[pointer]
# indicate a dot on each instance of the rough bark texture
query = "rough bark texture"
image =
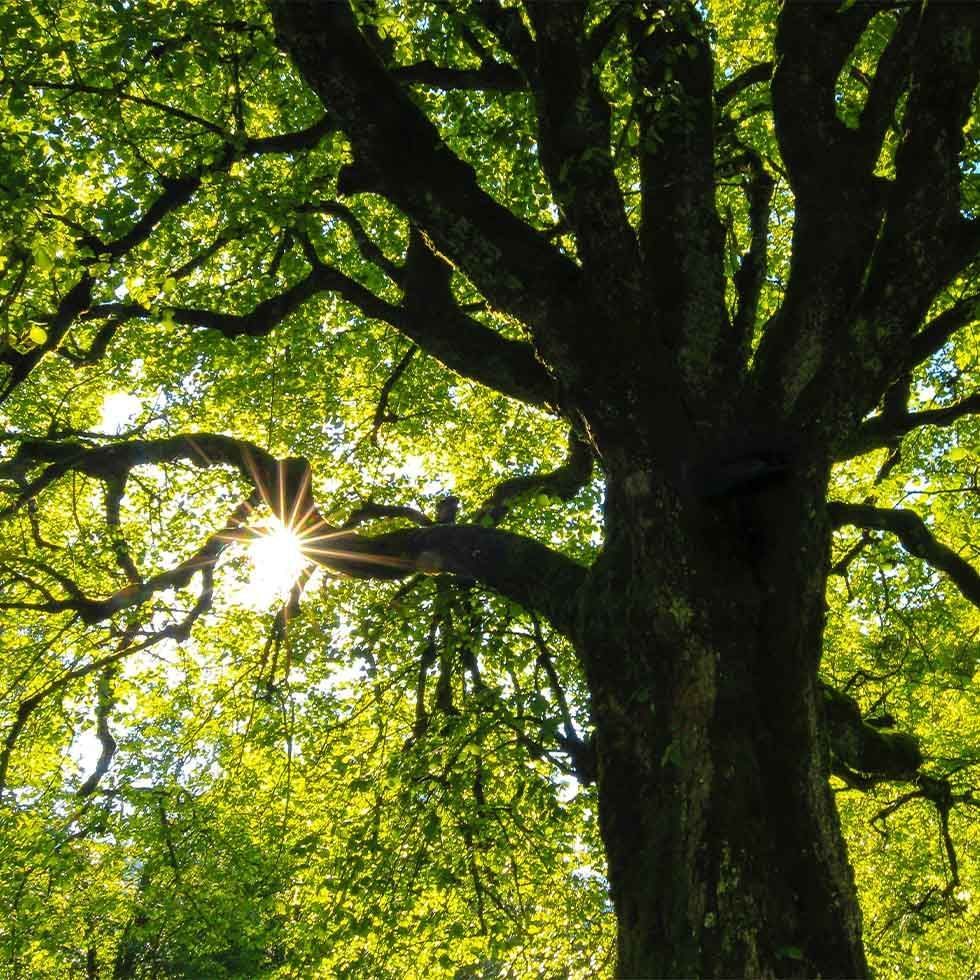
(701, 634)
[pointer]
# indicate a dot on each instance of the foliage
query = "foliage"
(375, 777)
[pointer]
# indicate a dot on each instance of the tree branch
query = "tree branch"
(105, 703)
(812, 44)
(938, 331)
(564, 482)
(883, 430)
(513, 265)
(176, 192)
(754, 75)
(924, 240)
(681, 237)
(382, 413)
(73, 303)
(434, 321)
(520, 568)
(752, 267)
(429, 317)
(508, 28)
(491, 75)
(574, 148)
(860, 749)
(368, 248)
(915, 537)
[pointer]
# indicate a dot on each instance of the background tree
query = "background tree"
(614, 365)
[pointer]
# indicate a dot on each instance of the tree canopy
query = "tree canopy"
(321, 267)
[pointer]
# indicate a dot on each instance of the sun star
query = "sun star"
(277, 559)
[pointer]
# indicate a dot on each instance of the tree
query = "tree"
(614, 364)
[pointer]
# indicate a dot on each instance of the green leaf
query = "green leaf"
(43, 258)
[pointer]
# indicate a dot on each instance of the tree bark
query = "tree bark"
(701, 633)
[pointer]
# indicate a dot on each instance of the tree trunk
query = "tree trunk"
(701, 636)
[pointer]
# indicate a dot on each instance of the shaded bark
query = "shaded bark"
(701, 634)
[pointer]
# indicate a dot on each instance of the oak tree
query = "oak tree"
(610, 367)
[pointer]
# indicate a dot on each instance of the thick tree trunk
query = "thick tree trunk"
(701, 637)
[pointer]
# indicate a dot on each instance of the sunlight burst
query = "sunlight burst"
(277, 560)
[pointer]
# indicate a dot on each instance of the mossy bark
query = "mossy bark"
(701, 633)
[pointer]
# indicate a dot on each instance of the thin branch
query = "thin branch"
(381, 413)
(106, 91)
(176, 192)
(754, 75)
(177, 631)
(373, 512)
(564, 483)
(368, 247)
(921, 346)
(106, 702)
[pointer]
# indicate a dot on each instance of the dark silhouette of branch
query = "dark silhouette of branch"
(104, 705)
(754, 75)
(915, 537)
(381, 413)
(429, 317)
(863, 754)
(883, 430)
(509, 262)
(520, 568)
(564, 482)
(491, 76)
(373, 512)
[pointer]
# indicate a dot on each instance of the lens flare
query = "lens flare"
(277, 559)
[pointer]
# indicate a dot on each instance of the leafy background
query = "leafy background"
(274, 806)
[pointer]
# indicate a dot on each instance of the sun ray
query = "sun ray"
(279, 561)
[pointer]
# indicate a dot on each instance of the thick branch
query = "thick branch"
(883, 430)
(924, 240)
(915, 537)
(520, 568)
(517, 567)
(890, 79)
(681, 237)
(574, 144)
(812, 44)
(398, 153)
(433, 320)
(506, 25)
(861, 749)
(491, 75)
